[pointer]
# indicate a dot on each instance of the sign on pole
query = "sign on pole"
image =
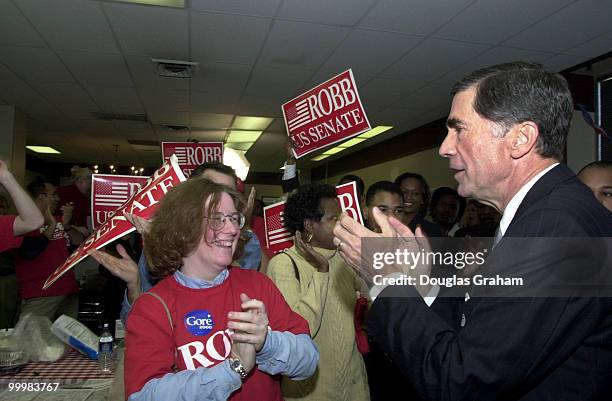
(109, 192)
(191, 154)
(326, 114)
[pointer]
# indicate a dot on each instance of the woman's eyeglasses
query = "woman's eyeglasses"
(217, 220)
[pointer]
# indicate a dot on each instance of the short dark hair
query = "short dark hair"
(512, 93)
(600, 164)
(179, 224)
(305, 203)
(443, 191)
(383, 186)
(216, 166)
(424, 185)
(358, 182)
(37, 187)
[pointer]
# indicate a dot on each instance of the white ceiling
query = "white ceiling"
(61, 60)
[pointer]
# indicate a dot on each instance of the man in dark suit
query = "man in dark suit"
(506, 133)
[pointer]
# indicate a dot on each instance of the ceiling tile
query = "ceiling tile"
(15, 29)
(208, 136)
(433, 58)
(384, 92)
(170, 118)
(97, 68)
(594, 47)
(165, 100)
(415, 17)
(35, 64)
(587, 19)
(214, 103)
(493, 56)
(71, 98)
(281, 82)
(117, 100)
(211, 121)
(70, 24)
(259, 106)
(359, 47)
(223, 78)
(491, 21)
(562, 61)
(427, 98)
(263, 8)
(158, 32)
(14, 91)
(337, 12)
(300, 44)
(227, 38)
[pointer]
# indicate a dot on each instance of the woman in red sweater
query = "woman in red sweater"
(208, 330)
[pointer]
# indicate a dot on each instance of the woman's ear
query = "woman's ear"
(308, 226)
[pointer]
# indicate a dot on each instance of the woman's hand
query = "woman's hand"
(251, 325)
(246, 353)
(310, 255)
(125, 268)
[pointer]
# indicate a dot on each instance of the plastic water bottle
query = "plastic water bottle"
(105, 350)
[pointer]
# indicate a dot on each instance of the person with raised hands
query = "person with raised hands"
(29, 217)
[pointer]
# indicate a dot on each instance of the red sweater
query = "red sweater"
(7, 239)
(199, 337)
(32, 273)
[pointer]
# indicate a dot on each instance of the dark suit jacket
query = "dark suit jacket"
(510, 348)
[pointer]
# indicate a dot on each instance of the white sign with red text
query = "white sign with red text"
(109, 192)
(191, 154)
(278, 238)
(143, 203)
(326, 114)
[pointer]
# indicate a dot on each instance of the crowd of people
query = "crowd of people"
(212, 314)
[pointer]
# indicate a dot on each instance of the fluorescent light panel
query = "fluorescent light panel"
(375, 131)
(351, 142)
(333, 151)
(252, 123)
(240, 145)
(163, 3)
(243, 136)
(43, 149)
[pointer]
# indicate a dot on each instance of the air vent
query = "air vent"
(120, 117)
(175, 127)
(144, 145)
(174, 68)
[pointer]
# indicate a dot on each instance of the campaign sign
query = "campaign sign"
(191, 154)
(326, 114)
(278, 238)
(109, 192)
(143, 203)
(349, 200)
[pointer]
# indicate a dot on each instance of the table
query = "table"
(78, 378)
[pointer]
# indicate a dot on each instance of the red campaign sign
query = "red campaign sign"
(109, 192)
(349, 200)
(144, 203)
(190, 155)
(326, 114)
(278, 238)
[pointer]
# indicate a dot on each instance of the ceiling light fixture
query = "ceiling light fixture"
(162, 3)
(43, 149)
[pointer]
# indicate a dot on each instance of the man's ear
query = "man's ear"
(523, 138)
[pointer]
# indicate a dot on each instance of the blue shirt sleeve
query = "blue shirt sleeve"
(252, 253)
(146, 283)
(288, 354)
(206, 384)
